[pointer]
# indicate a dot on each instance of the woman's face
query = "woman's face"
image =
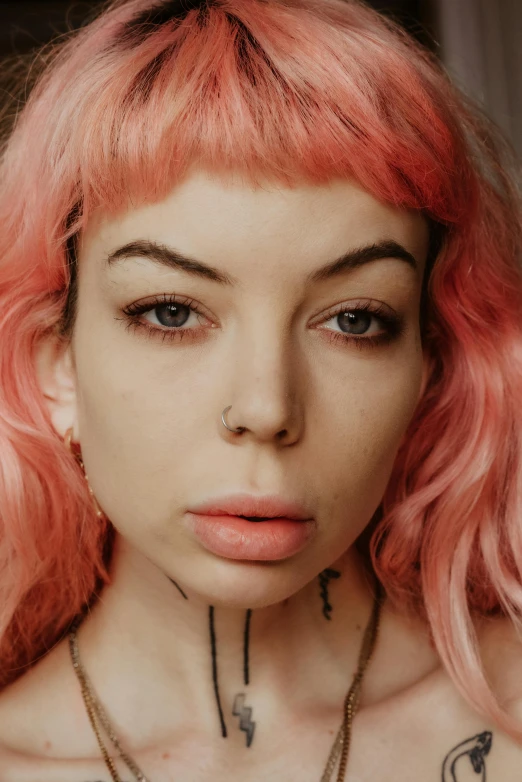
(326, 397)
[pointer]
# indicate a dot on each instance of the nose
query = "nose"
(267, 390)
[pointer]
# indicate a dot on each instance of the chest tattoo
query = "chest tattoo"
(475, 748)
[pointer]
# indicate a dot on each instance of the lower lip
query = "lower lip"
(233, 537)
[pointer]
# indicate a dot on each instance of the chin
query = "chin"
(244, 584)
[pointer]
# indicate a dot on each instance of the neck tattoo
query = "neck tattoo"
(324, 577)
(339, 750)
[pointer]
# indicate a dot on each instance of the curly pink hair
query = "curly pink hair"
(285, 89)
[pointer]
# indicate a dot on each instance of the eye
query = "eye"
(172, 315)
(356, 321)
(367, 324)
(168, 317)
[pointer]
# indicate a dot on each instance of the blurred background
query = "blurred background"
(478, 41)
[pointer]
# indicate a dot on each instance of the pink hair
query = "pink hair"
(285, 89)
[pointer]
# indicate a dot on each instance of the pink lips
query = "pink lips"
(250, 505)
(284, 527)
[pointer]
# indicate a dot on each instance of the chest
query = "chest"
(381, 750)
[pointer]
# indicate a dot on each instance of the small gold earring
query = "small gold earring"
(75, 449)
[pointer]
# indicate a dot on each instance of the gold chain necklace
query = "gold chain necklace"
(98, 717)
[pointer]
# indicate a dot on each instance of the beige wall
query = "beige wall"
(481, 46)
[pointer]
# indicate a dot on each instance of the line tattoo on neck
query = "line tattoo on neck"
(239, 709)
(214, 669)
(177, 587)
(324, 578)
(246, 647)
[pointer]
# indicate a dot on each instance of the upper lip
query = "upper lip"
(268, 506)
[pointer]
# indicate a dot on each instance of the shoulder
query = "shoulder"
(38, 705)
(439, 727)
(427, 725)
(500, 645)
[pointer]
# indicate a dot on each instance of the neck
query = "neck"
(155, 648)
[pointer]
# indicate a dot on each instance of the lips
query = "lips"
(253, 508)
(256, 518)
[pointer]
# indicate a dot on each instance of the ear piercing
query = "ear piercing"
(75, 449)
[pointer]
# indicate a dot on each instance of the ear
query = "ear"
(57, 379)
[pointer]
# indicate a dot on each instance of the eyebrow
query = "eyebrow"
(171, 258)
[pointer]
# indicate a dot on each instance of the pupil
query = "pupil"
(358, 322)
(172, 314)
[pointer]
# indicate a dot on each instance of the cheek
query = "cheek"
(358, 440)
(145, 417)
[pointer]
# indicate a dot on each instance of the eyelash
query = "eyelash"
(393, 325)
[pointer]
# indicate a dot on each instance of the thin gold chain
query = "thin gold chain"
(341, 743)
(98, 718)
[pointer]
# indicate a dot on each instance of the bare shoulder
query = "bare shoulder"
(44, 731)
(38, 705)
(501, 652)
(500, 645)
(433, 732)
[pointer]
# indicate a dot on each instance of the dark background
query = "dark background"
(26, 24)
(477, 41)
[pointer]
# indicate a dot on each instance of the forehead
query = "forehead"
(228, 221)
